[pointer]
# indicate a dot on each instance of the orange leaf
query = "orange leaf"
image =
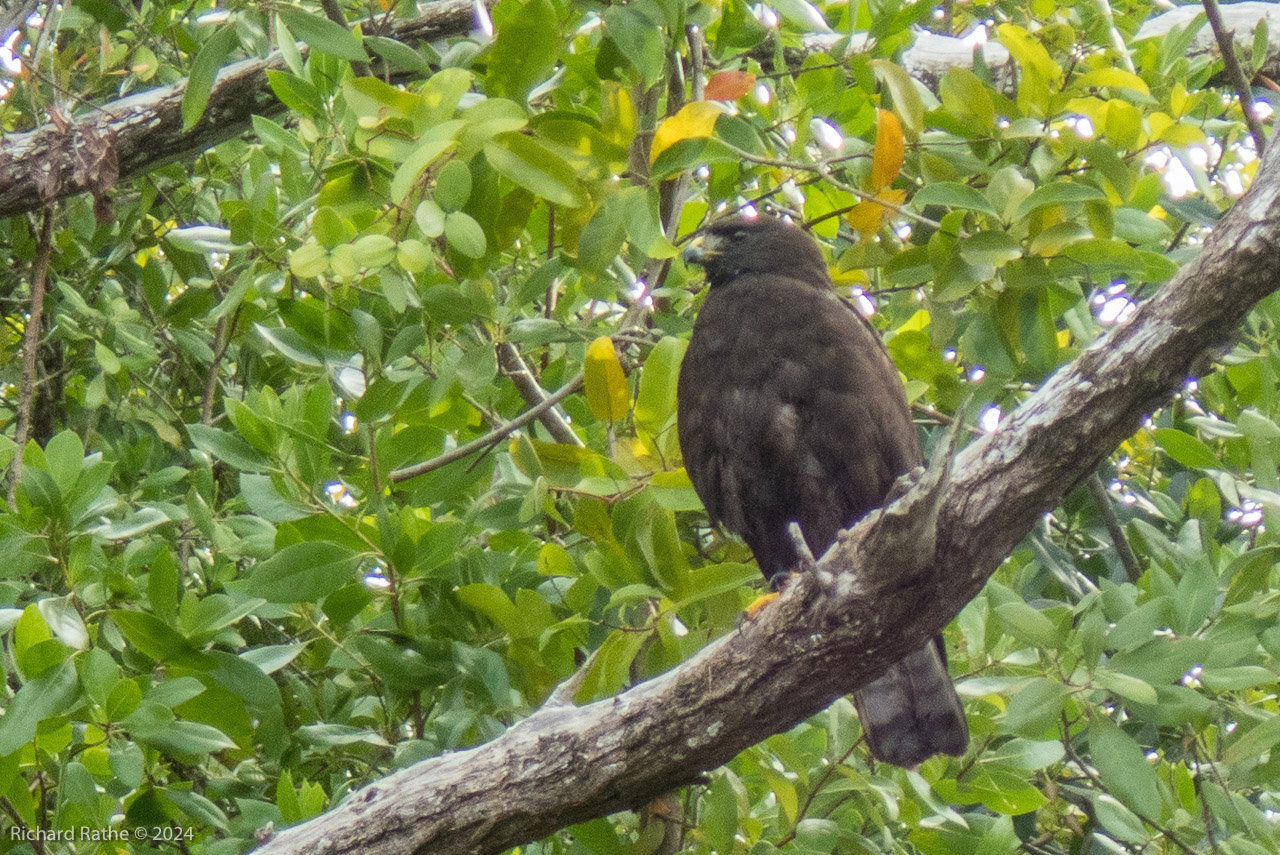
(728, 85)
(607, 394)
(867, 217)
(886, 162)
(696, 120)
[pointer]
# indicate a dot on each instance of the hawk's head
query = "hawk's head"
(737, 246)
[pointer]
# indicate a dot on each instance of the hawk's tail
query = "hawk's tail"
(912, 711)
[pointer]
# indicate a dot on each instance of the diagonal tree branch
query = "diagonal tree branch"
(146, 129)
(827, 635)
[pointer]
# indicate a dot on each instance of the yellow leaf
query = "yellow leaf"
(1027, 51)
(1113, 77)
(696, 120)
(867, 216)
(886, 162)
(607, 392)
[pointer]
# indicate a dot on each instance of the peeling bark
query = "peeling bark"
(146, 130)
(826, 635)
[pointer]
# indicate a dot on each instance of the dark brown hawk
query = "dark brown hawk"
(791, 410)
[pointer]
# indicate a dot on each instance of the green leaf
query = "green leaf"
(525, 49)
(1123, 767)
(1000, 790)
(309, 260)
(290, 345)
(155, 638)
(990, 248)
(656, 398)
(453, 185)
(430, 218)
(1186, 449)
(64, 456)
(1140, 227)
(1034, 709)
(534, 167)
(201, 809)
(204, 70)
(1028, 52)
(53, 693)
(322, 34)
(952, 194)
(1131, 688)
(127, 763)
(963, 94)
(906, 100)
(374, 251)
(64, 621)
(1026, 754)
(123, 700)
(227, 447)
(637, 38)
(718, 819)
(603, 236)
(493, 602)
(1112, 77)
(1028, 625)
(189, 737)
(1057, 193)
(1254, 742)
(431, 145)
(1238, 677)
(464, 234)
(1118, 820)
(398, 54)
(303, 573)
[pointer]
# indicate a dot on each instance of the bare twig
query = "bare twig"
(1132, 568)
(221, 338)
(517, 371)
(489, 439)
(1113, 32)
(30, 346)
(1226, 44)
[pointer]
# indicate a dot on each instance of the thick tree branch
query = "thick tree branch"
(146, 129)
(824, 637)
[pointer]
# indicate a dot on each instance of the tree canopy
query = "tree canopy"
(339, 368)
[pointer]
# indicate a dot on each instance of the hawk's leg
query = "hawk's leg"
(805, 563)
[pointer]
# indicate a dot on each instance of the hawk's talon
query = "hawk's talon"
(757, 605)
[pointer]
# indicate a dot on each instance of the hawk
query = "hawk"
(789, 409)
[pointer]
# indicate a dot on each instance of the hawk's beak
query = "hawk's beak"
(702, 249)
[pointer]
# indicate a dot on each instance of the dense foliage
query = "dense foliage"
(223, 609)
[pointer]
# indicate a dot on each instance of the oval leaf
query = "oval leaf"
(728, 85)
(696, 120)
(302, 573)
(607, 393)
(886, 160)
